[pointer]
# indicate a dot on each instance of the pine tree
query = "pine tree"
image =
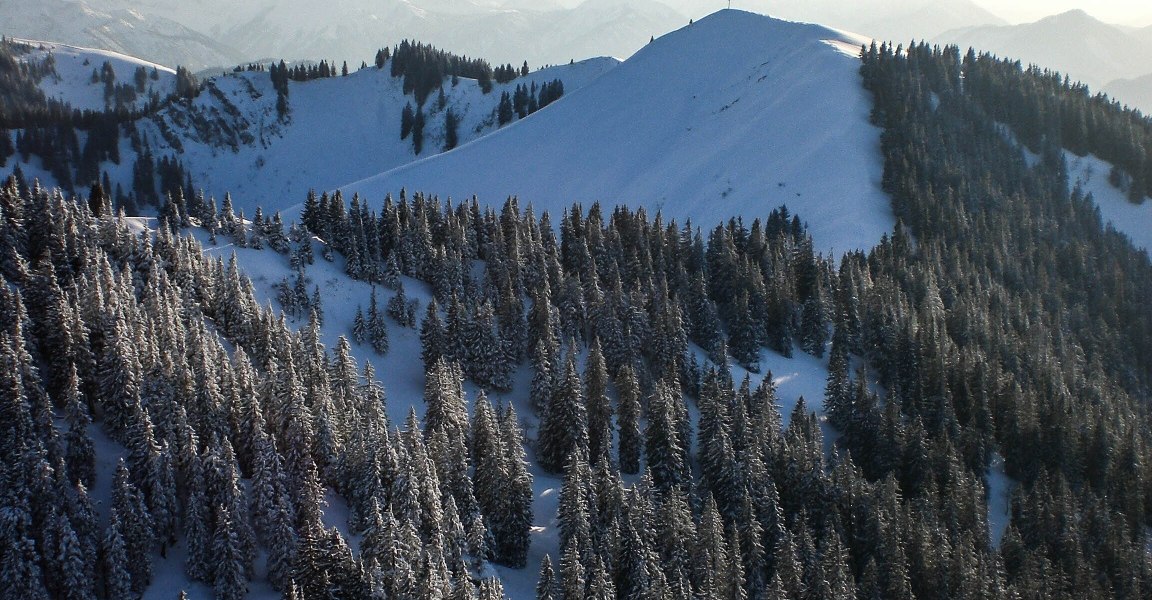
(546, 584)
(69, 571)
(599, 407)
(377, 327)
(571, 583)
(628, 420)
(432, 336)
(231, 583)
(405, 307)
(564, 427)
(80, 456)
(515, 522)
(20, 571)
(197, 528)
(359, 327)
(662, 443)
(451, 122)
(137, 528)
(117, 578)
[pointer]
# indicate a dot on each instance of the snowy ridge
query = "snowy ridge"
(734, 115)
(74, 65)
(339, 129)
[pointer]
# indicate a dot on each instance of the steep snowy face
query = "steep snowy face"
(731, 116)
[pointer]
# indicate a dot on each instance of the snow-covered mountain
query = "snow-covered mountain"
(339, 129)
(883, 19)
(734, 115)
(119, 29)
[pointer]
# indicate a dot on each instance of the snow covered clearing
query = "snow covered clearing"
(1091, 175)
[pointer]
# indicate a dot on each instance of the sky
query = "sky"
(1121, 12)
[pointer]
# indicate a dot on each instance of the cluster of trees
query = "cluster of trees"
(154, 181)
(21, 99)
(308, 72)
(506, 73)
(280, 74)
(123, 95)
(234, 427)
(187, 86)
(425, 67)
(526, 100)
(763, 284)
(1018, 321)
(412, 123)
(1045, 109)
(51, 131)
(1015, 318)
(382, 56)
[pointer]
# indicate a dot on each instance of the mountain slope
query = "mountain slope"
(340, 129)
(231, 139)
(72, 81)
(734, 115)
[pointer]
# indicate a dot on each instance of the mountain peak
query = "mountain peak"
(737, 113)
(1076, 15)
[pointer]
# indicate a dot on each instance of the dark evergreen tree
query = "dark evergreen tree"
(628, 420)
(564, 426)
(599, 407)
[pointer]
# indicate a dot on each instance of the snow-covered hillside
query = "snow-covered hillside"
(1090, 174)
(72, 81)
(734, 115)
(339, 129)
(882, 19)
(232, 140)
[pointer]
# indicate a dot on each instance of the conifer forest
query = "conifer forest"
(1001, 330)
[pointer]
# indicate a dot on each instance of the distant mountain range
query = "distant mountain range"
(118, 29)
(212, 33)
